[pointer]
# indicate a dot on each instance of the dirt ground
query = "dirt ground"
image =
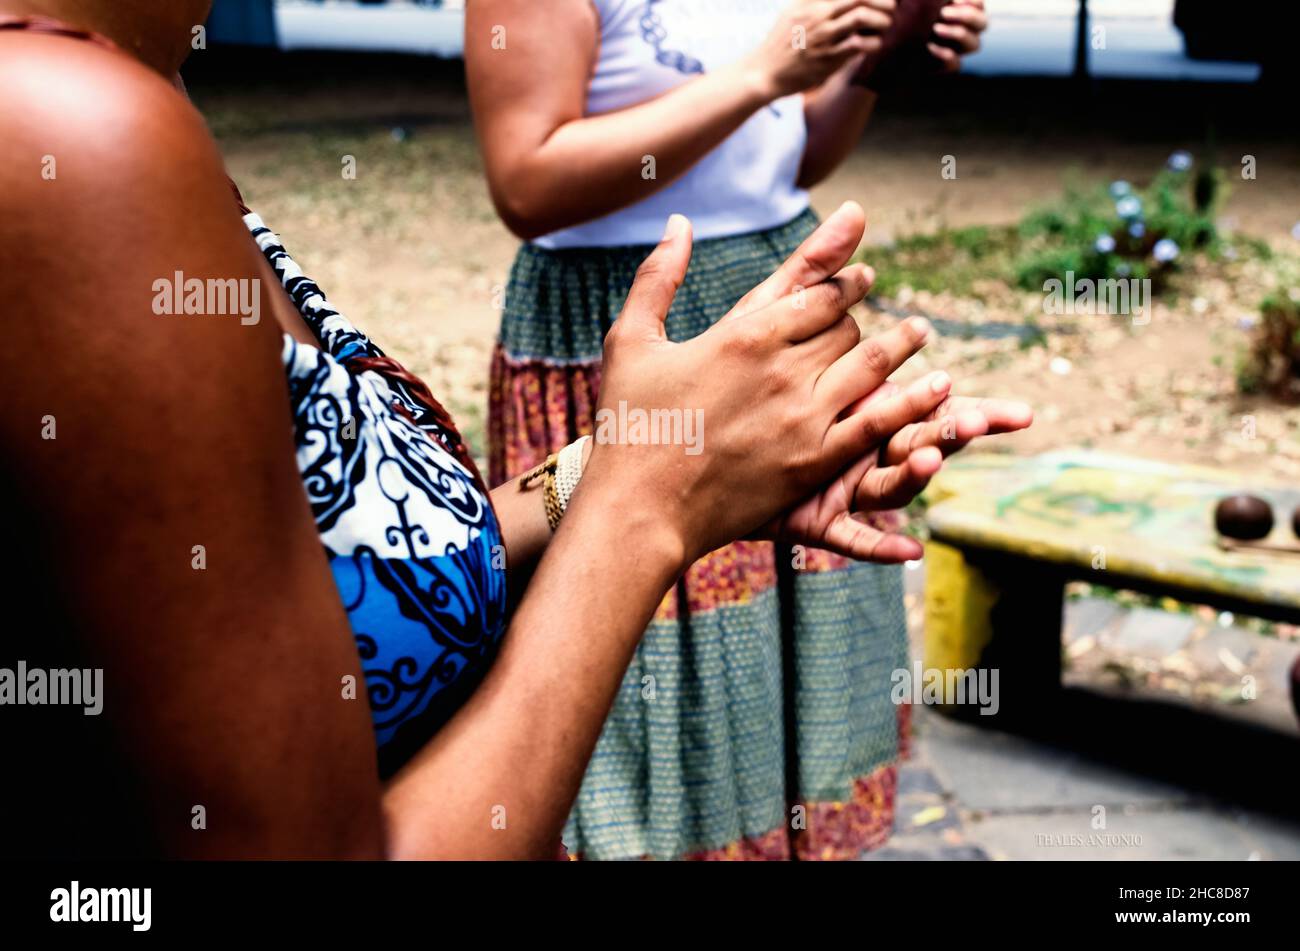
(412, 250)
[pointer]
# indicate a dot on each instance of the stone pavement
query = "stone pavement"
(971, 793)
(1157, 755)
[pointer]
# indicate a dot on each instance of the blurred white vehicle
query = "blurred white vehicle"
(1128, 39)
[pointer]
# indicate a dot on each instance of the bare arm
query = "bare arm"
(640, 515)
(524, 529)
(551, 166)
(836, 113)
(518, 749)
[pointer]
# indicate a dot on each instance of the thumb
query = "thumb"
(657, 280)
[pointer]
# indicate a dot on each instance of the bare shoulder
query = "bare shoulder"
(111, 187)
(88, 129)
(109, 180)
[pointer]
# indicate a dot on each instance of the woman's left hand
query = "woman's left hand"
(957, 33)
(891, 477)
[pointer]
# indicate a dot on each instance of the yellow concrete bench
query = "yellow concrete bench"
(1007, 534)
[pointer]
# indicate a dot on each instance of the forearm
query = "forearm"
(521, 514)
(498, 781)
(836, 114)
(592, 166)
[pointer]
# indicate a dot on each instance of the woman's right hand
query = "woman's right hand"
(773, 386)
(814, 38)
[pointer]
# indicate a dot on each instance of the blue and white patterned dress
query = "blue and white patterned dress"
(408, 528)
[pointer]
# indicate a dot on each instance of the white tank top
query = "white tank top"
(747, 183)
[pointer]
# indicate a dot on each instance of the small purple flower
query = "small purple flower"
(1105, 244)
(1295, 232)
(1180, 161)
(1137, 230)
(1130, 206)
(1119, 189)
(1166, 250)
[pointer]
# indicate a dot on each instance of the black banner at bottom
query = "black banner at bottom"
(334, 901)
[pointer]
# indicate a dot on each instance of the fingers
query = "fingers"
(824, 253)
(1004, 416)
(949, 62)
(656, 284)
(840, 7)
(868, 430)
(856, 45)
(893, 487)
(886, 389)
(837, 340)
(956, 422)
(947, 433)
(871, 362)
(808, 313)
(958, 38)
(854, 539)
(860, 20)
(969, 14)
(959, 29)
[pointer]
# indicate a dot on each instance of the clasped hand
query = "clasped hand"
(803, 432)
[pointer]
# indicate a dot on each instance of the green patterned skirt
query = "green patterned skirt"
(755, 720)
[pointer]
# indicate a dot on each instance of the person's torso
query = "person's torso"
(748, 183)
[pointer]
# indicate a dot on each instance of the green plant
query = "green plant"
(1120, 231)
(1272, 362)
(951, 261)
(1097, 232)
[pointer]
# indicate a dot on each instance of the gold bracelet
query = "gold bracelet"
(550, 495)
